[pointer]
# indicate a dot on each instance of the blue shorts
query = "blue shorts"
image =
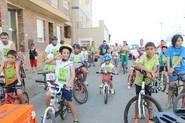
(174, 77)
(12, 87)
(67, 94)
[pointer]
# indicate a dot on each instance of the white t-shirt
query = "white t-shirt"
(107, 67)
(63, 71)
(4, 49)
(50, 49)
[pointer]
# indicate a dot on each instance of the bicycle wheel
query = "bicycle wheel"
(64, 112)
(49, 116)
(179, 105)
(106, 95)
(23, 84)
(130, 108)
(2, 94)
(164, 80)
(176, 91)
(80, 93)
(26, 97)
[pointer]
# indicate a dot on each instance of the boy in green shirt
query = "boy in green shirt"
(147, 62)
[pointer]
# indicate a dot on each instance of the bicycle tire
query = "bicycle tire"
(64, 112)
(26, 97)
(176, 90)
(106, 95)
(23, 85)
(48, 114)
(163, 82)
(175, 102)
(76, 87)
(132, 100)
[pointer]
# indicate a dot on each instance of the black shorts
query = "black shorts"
(12, 87)
(147, 90)
(162, 68)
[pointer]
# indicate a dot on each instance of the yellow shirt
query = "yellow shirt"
(149, 64)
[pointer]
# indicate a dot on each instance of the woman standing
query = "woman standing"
(33, 57)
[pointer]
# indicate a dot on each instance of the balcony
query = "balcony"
(43, 8)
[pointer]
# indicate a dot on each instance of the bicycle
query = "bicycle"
(22, 75)
(141, 101)
(80, 91)
(105, 90)
(11, 98)
(58, 105)
(164, 80)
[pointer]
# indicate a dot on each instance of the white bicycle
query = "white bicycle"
(105, 90)
(57, 103)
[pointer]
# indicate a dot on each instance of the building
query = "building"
(96, 33)
(84, 30)
(29, 21)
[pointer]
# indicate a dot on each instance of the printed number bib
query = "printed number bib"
(107, 69)
(76, 59)
(10, 73)
(5, 51)
(54, 51)
(63, 75)
(175, 59)
(104, 50)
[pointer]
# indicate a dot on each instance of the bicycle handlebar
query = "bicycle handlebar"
(107, 73)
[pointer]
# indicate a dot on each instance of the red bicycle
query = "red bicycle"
(11, 98)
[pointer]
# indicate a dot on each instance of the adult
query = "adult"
(5, 45)
(33, 57)
(115, 54)
(50, 52)
(103, 49)
(92, 50)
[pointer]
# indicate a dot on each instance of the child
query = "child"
(78, 59)
(107, 68)
(10, 70)
(147, 62)
(175, 63)
(163, 59)
(21, 59)
(33, 57)
(65, 75)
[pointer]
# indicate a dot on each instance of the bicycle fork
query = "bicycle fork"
(141, 107)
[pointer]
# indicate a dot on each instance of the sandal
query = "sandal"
(75, 121)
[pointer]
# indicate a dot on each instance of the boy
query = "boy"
(107, 68)
(65, 75)
(163, 59)
(78, 58)
(10, 70)
(175, 64)
(147, 62)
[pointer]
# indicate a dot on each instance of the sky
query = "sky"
(131, 20)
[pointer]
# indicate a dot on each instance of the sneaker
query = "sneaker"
(129, 87)
(112, 91)
(86, 83)
(75, 121)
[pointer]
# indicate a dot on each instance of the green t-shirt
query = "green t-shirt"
(149, 65)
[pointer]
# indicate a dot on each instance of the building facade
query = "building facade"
(29, 21)
(84, 30)
(34, 21)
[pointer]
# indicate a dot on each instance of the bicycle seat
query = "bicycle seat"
(167, 117)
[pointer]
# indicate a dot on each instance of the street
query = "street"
(95, 111)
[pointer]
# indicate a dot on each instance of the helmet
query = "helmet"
(66, 46)
(107, 57)
(76, 46)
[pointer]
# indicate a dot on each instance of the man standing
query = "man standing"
(5, 45)
(103, 49)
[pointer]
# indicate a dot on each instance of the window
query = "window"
(58, 34)
(67, 32)
(40, 30)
